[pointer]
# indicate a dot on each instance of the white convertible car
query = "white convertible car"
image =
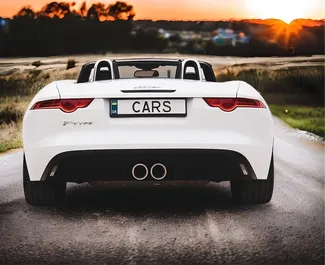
(150, 121)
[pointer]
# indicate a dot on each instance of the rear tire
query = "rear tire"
(254, 191)
(39, 193)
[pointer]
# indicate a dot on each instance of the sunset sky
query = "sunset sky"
(286, 10)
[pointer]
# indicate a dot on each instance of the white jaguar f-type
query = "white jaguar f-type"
(147, 121)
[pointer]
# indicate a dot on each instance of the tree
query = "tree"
(26, 11)
(83, 9)
(121, 10)
(97, 11)
(58, 9)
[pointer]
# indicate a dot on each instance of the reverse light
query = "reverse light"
(66, 105)
(229, 104)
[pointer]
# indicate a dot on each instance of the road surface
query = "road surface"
(172, 226)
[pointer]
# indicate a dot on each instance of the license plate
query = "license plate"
(147, 107)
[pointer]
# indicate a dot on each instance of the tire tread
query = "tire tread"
(254, 191)
(39, 193)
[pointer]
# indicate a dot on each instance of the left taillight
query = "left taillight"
(230, 104)
(66, 105)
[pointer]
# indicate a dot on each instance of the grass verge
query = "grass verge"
(295, 85)
(10, 144)
(305, 118)
(16, 91)
(10, 136)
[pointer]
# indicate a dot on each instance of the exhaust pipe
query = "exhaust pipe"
(140, 171)
(158, 171)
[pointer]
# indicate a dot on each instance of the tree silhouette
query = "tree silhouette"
(26, 11)
(60, 28)
(98, 12)
(121, 10)
(58, 9)
(83, 9)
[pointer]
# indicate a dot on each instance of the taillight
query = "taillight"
(66, 105)
(229, 104)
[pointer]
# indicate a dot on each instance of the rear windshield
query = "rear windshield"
(147, 70)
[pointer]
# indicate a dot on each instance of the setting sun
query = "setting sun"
(286, 10)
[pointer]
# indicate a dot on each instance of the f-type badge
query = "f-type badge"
(114, 107)
(65, 123)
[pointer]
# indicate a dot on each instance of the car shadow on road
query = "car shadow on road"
(179, 201)
(83, 201)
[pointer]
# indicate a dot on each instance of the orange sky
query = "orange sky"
(186, 9)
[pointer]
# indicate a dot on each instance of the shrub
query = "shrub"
(10, 114)
(37, 63)
(71, 64)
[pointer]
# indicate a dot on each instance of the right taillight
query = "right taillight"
(229, 104)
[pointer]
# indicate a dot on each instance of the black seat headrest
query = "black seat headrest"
(104, 71)
(191, 76)
(104, 75)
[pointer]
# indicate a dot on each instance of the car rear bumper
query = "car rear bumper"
(256, 150)
(116, 165)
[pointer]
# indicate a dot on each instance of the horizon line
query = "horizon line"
(215, 20)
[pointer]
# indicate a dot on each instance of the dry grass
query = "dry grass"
(11, 115)
(300, 82)
(10, 136)
(17, 90)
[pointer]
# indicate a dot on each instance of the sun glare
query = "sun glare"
(286, 10)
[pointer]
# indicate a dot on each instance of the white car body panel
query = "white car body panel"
(247, 131)
(112, 88)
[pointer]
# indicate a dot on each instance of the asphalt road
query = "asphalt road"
(172, 226)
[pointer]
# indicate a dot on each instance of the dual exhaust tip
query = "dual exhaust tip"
(158, 171)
